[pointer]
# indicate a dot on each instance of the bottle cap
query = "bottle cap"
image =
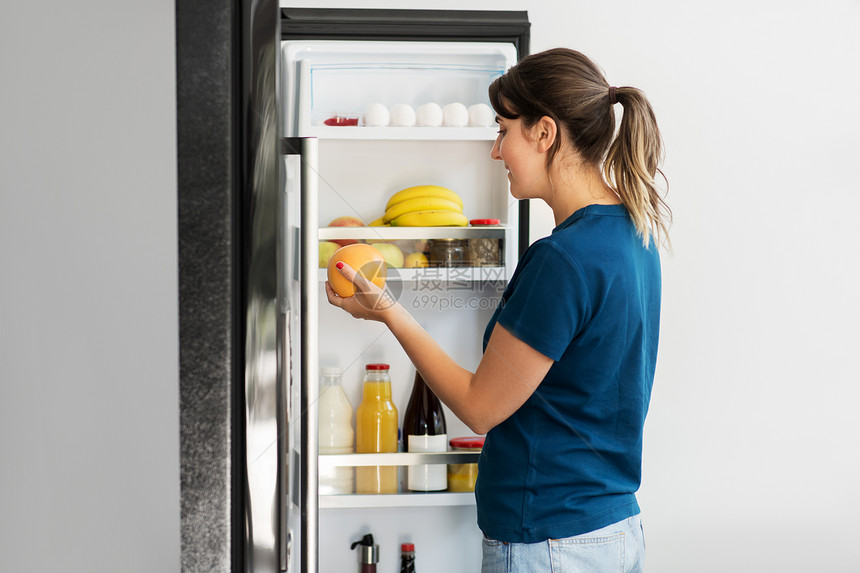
(377, 366)
(407, 547)
(484, 222)
(331, 371)
(470, 443)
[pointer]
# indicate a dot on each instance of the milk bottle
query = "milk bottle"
(336, 435)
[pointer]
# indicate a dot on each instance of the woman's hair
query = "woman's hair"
(570, 89)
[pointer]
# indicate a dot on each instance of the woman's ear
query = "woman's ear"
(544, 133)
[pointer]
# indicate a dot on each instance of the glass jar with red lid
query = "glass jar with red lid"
(484, 251)
(462, 477)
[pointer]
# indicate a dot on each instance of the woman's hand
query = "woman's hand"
(369, 302)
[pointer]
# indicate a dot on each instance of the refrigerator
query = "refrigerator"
(305, 153)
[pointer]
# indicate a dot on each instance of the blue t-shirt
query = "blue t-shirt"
(568, 461)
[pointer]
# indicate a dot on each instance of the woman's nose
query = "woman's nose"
(494, 153)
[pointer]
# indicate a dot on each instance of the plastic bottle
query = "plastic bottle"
(336, 435)
(376, 431)
(425, 431)
(407, 558)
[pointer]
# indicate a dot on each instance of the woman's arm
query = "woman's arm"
(507, 375)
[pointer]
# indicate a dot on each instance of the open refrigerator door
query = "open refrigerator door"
(389, 116)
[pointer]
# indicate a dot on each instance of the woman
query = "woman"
(569, 355)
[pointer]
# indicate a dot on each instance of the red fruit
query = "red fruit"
(346, 222)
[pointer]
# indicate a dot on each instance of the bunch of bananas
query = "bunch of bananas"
(424, 206)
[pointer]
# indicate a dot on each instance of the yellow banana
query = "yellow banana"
(377, 223)
(431, 219)
(423, 191)
(421, 204)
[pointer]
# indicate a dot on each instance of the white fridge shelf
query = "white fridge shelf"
(410, 233)
(439, 274)
(407, 499)
(459, 274)
(430, 499)
(398, 459)
(402, 133)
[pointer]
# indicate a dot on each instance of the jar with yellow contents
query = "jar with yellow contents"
(376, 431)
(462, 477)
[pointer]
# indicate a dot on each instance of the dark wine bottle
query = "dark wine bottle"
(424, 430)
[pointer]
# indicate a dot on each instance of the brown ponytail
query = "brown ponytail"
(569, 88)
(631, 165)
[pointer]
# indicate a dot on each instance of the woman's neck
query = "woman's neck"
(575, 187)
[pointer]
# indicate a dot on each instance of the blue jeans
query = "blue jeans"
(616, 548)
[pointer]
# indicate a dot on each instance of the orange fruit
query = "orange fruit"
(366, 260)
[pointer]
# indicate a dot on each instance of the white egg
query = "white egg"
(429, 115)
(402, 115)
(481, 115)
(376, 115)
(455, 115)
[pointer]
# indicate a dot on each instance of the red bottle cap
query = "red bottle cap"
(472, 443)
(377, 367)
(407, 547)
(475, 222)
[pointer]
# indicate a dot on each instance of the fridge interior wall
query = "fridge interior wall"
(357, 178)
(322, 79)
(359, 169)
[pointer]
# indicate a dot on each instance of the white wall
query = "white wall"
(89, 401)
(751, 447)
(751, 444)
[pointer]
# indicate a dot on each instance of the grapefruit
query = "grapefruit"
(366, 260)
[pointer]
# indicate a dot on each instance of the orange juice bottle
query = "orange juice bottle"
(376, 431)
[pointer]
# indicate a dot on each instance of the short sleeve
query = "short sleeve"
(548, 301)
